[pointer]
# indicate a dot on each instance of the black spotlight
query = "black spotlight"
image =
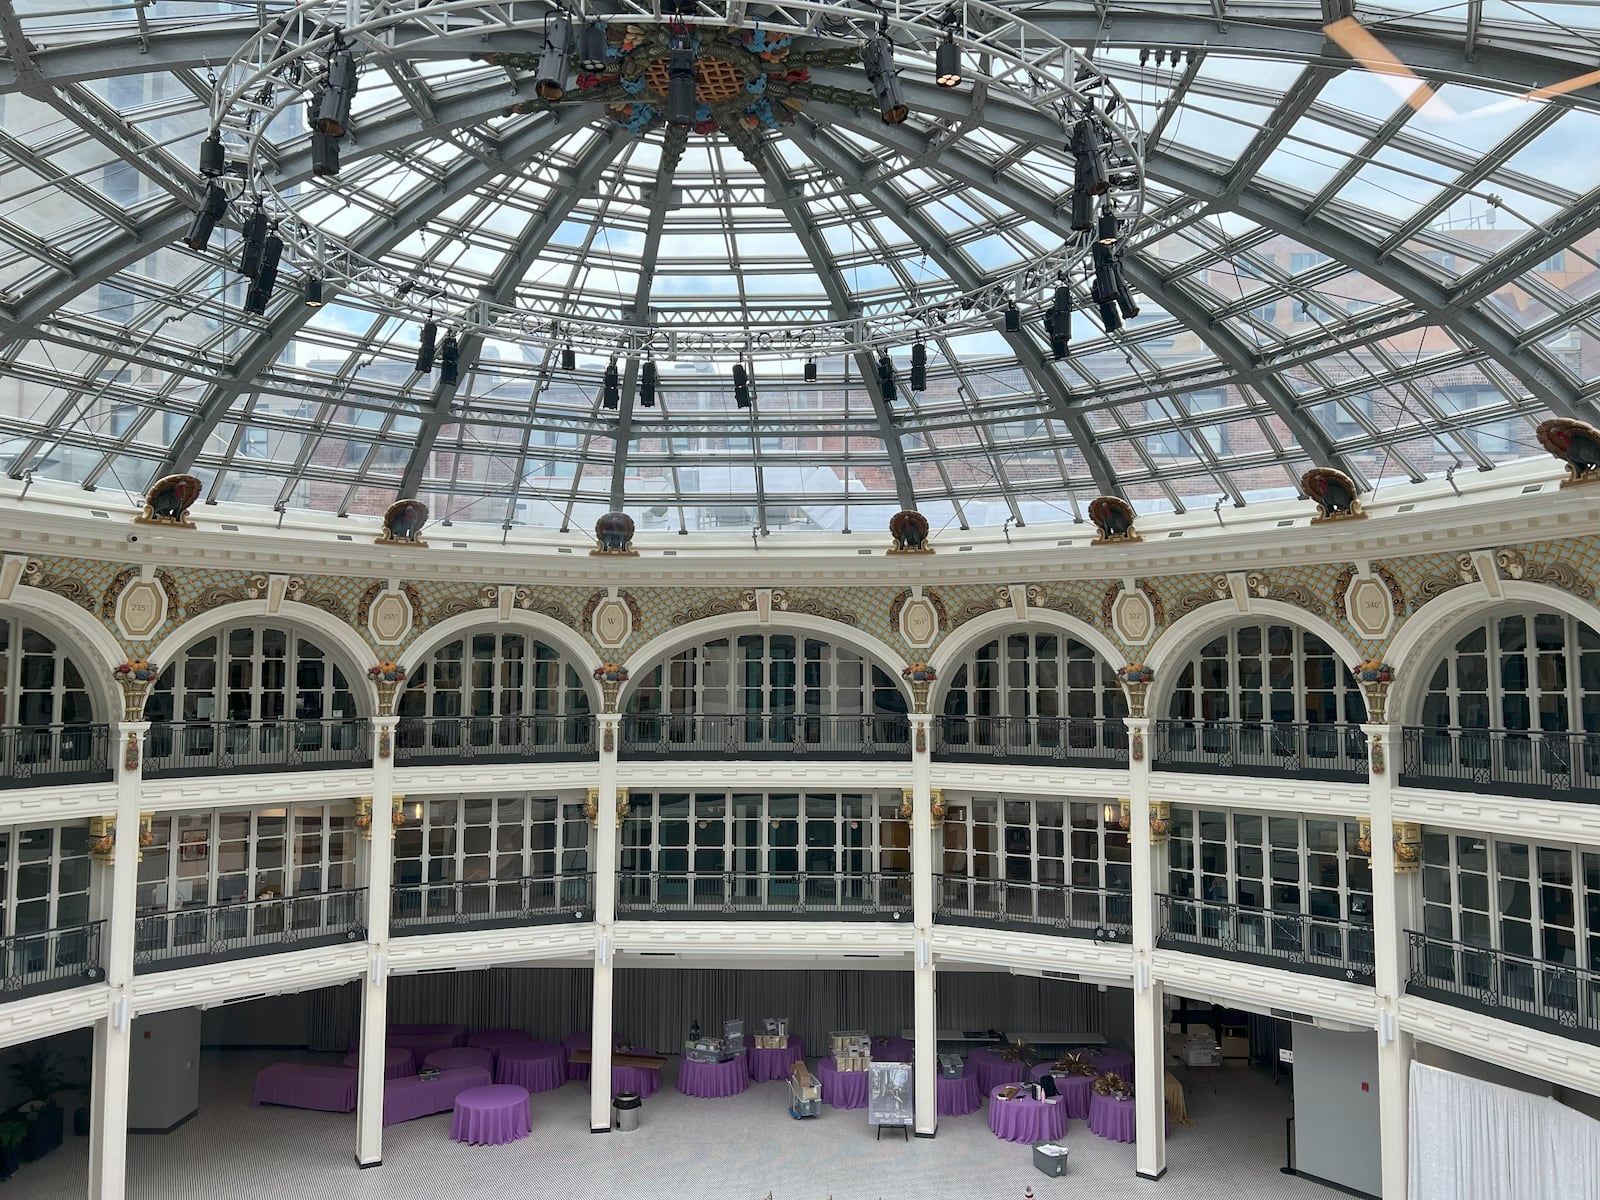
(1125, 301)
(919, 367)
(647, 384)
(1105, 270)
(213, 159)
(205, 221)
(878, 56)
(569, 359)
(313, 291)
(947, 63)
(430, 333)
(255, 300)
(333, 113)
(592, 47)
(811, 370)
(1090, 153)
(255, 244)
(741, 385)
(324, 155)
(613, 387)
(551, 80)
(886, 378)
(1108, 227)
(1013, 318)
(449, 360)
(680, 81)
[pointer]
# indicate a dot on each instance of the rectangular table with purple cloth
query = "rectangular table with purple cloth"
(1025, 1119)
(397, 1061)
(300, 1085)
(773, 1064)
(992, 1070)
(842, 1089)
(453, 1057)
(412, 1097)
(958, 1096)
(423, 1040)
(537, 1066)
(1111, 1119)
(491, 1116)
(582, 1040)
(643, 1082)
(709, 1080)
(1074, 1090)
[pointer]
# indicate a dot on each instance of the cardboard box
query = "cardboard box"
(766, 1042)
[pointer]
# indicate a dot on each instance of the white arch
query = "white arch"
(89, 643)
(547, 629)
(335, 637)
(952, 652)
(665, 645)
(1427, 633)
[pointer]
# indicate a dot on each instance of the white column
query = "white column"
(1149, 1000)
(1392, 903)
(375, 983)
(924, 990)
(605, 915)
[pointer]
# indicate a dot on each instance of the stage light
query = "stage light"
(324, 155)
(260, 291)
(919, 367)
(612, 392)
(1090, 155)
(741, 385)
(1125, 301)
(1013, 318)
(550, 81)
(205, 220)
(569, 359)
(449, 361)
(680, 81)
(878, 56)
(313, 291)
(213, 159)
(333, 113)
(886, 384)
(255, 243)
(1105, 270)
(811, 370)
(947, 63)
(592, 47)
(647, 384)
(425, 346)
(1108, 226)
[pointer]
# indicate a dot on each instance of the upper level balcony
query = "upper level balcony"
(188, 937)
(1330, 946)
(765, 895)
(40, 755)
(1294, 750)
(430, 741)
(1558, 997)
(1542, 765)
(1104, 914)
(188, 748)
(1080, 741)
(765, 736)
(48, 960)
(491, 903)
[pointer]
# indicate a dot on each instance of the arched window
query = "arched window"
(44, 710)
(1267, 673)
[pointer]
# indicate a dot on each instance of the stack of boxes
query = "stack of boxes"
(1200, 1050)
(774, 1034)
(852, 1050)
(805, 1092)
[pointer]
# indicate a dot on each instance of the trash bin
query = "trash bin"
(625, 1110)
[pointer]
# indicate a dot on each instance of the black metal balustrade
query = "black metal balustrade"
(188, 937)
(51, 959)
(1329, 946)
(491, 903)
(1558, 997)
(1515, 762)
(1298, 751)
(1101, 913)
(864, 896)
(181, 748)
(1086, 741)
(758, 736)
(425, 741)
(38, 755)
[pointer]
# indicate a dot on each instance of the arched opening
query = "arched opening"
(48, 732)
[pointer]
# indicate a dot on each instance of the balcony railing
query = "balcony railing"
(1517, 762)
(1330, 946)
(865, 896)
(163, 941)
(649, 735)
(37, 755)
(490, 903)
(1332, 752)
(1558, 997)
(181, 748)
(51, 959)
(424, 741)
(1086, 741)
(1101, 913)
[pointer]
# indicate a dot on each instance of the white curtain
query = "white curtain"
(1472, 1140)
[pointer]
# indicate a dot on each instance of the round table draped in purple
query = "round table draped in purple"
(773, 1064)
(958, 1096)
(893, 1049)
(710, 1080)
(1025, 1119)
(582, 1040)
(1074, 1090)
(496, 1040)
(1111, 1119)
(397, 1061)
(1109, 1059)
(460, 1056)
(842, 1089)
(642, 1081)
(537, 1066)
(992, 1070)
(491, 1116)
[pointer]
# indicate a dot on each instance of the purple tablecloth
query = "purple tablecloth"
(992, 1070)
(643, 1081)
(423, 1040)
(1111, 1119)
(1026, 1120)
(453, 1057)
(397, 1061)
(412, 1097)
(1108, 1059)
(893, 1049)
(959, 1096)
(713, 1079)
(773, 1064)
(496, 1040)
(1075, 1090)
(582, 1041)
(300, 1085)
(537, 1066)
(842, 1089)
(491, 1116)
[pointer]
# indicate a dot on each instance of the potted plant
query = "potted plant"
(13, 1130)
(38, 1076)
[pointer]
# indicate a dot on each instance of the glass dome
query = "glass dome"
(1336, 260)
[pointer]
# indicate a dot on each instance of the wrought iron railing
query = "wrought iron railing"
(165, 940)
(1544, 764)
(1299, 751)
(51, 959)
(37, 755)
(1330, 946)
(178, 748)
(530, 900)
(1104, 914)
(867, 895)
(1082, 740)
(422, 741)
(765, 735)
(1558, 997)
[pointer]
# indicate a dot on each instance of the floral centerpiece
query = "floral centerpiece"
(1074, 1063)
(1135, 672)
(1016, 1052)
(611, 673)
(1374, 676)
(1374, 671)
(135, 677)
(919, 673)
(1113, 1085)
(136, 670)
(387, 672)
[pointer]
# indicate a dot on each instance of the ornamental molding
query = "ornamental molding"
(252, 587)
